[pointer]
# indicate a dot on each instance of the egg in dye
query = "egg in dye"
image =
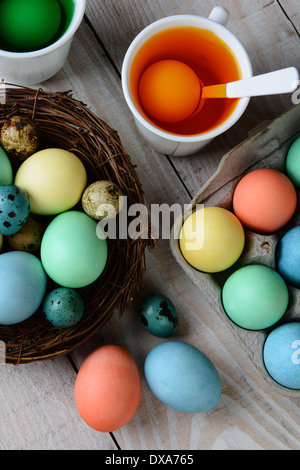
(212, 239)
(108, 388)
(264, 200)
(54, 180)
(281, 355)
(182, 377)
(255, 297)
(27, 25)
(169, 90)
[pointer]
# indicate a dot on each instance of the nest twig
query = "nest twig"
(66, 123)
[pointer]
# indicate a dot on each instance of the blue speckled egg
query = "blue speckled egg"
(63, 307)
(282, 355)
(158, 316)
(288, 256)
(23, 284)
(14, 209)
(182, 377)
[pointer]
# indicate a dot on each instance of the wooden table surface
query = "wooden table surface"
(37, 407)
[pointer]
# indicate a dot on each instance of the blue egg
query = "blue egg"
(23, 284)
(14, 209)
(158, 316)
(288, 256)
(63, 307)
(282, 355)
(182, 377)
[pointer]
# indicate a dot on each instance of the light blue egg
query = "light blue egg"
(281, 355)
(158, 316)
(63, 307)
(23, 284)
(182, 377)
(14, 209)
(6, 172)
(288, 256)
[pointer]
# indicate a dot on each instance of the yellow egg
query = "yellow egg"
(212, 239)
(54, 180)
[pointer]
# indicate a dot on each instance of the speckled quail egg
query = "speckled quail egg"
(102, 199)
(158, 316)
(19, 137)
(29, 237)
(63, 307)
(14, 209)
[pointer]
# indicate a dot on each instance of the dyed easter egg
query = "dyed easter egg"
(71, 252)
(108, 388)
(6, 172)
(182, 377)
(255, 297)
(281, 355)
(23, 285)
(158, 316)
(14, 209)
(29, 237)
(63, 307)
(288, 256)
(30, 24)
(169, 90)
(264, 200)
(54, 180)
(293, 162)
(212, 239)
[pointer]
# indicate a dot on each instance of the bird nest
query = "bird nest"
(66, 123)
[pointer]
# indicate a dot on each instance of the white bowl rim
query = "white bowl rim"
(76, 20)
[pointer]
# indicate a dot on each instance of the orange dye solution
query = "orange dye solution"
(210, 58)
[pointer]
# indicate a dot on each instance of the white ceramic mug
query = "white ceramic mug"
(29, 68)
(164, 142)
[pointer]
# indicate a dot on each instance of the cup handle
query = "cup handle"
(220, 15)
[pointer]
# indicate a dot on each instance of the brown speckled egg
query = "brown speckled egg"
(19, 137)
(102, 199)
(29, 238)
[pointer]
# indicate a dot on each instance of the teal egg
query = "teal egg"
(255, 297)
(282, 355)
(14, 209)
(6, 172)
(158, 316)
(293, 162)
(182, 377)
(63, 307)
(72, 254)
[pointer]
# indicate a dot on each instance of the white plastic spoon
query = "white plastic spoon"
(273, 83)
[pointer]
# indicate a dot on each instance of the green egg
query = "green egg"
(72, 254)
(6, 172)
(27, 25)
(255, 297)
(293, 162)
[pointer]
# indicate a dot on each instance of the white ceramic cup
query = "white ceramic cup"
(164, 142)
(29, 68)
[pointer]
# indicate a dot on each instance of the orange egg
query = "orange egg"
(169, 90)
(264, 200)
(107, 388)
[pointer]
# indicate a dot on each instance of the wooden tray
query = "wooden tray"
(266, 148)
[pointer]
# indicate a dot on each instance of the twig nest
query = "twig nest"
(102, 200)
(19, 137)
